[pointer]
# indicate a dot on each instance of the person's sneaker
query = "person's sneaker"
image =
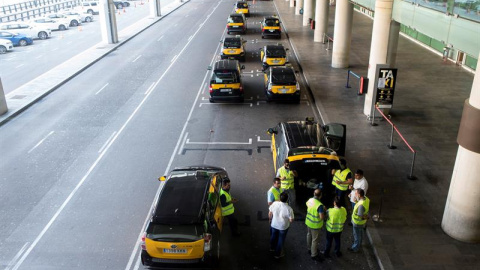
(317, 258)
(280, 256)
(338, 254)
(352, 250)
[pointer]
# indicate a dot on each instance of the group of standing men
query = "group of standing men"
(281, 198)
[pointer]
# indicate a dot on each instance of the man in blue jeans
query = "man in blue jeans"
(359, 218)
(280, 215)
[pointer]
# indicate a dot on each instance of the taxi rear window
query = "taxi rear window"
(235, 19)
(242, 5)
(176, 233)
(284, 78)
(225, 77)
(272, 22)
(232, 43)
(276, 53)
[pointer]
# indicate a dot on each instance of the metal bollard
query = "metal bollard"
(411, 177)
(391, 146)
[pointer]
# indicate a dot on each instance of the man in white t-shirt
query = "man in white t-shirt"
(280, 215)
(359, 183)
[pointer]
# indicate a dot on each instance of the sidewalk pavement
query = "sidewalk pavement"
(26, 95)
(427, 110)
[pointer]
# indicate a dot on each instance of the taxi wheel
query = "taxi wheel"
(211, 100)
(241, 99)
(242, 59)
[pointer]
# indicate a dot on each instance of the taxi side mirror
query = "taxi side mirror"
(242, 67)
(162, 178)
(272, 131)
(209, 68)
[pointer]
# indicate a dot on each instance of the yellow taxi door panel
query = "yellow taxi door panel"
(274, 153)
(265, 78)
(218, 217)
(182, 250)
(261, 55)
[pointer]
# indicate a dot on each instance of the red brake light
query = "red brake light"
(143, 242)
(210, 89)
(241, 88)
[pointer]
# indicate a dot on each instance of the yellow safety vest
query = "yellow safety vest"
(276, 193)
(358, 220)
(229, 209)
(313, 220)
(289, 178)
(336, 219)
(342, 177)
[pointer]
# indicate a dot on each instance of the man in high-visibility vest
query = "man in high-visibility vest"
(342, 178)
(287, 178)
(314, 222)
(273, 193)
(359, 218)
(336, 218)
(228, 209)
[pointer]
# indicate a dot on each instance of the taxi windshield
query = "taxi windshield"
(235, 19)
(276, 53)
(232, 43)
(272, 22)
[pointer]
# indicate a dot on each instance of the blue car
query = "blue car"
(16, 39)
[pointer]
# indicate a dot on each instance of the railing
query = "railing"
(391, 146)
(32, 9)
(363, 82)
(325, 36)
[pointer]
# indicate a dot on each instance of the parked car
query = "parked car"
(121, 4)
(90, 7)
(34, 31)
(16, 39)
(5, 46)
(74, 20)
(61, 24)
(84, 16)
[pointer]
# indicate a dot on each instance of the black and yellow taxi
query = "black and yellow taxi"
(273, 55)
(186, 222)
(271, 27)
(236, 23)
(233, 48)
(281, 84)
(313, 151)
(241, 7)
(226, 81)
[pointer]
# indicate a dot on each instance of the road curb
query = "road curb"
(381, 254)
(10, 114)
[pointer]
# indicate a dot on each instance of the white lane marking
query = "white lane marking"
(211, 143)
(21, 65)
(41, 55)
(183, 144)
(235, 103)
(159, 38)
(190, 37)
(136, 58)
(202, 85)
(16, 256)
(150, 89)
(259, 140)
(101, 89)
(41, 141)
(175, 57)
(106, 143)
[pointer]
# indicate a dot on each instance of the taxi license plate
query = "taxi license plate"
(276, 61)
(235, 26)
(283, 90)
(225, 90)
(232, 51)
(174, 251)
(271, 30)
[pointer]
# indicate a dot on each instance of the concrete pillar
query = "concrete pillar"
(3, 101)
(461, 219)
(342, 34)
(307, 11)
(108, 22)
(393, 43)
(378, 47)
(292, 3)
(298, 7)
(321, 20)
(155, 8)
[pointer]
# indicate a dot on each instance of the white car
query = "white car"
(5, 45)
(89, 7)
(84, 17)
(61, 24)
(74, 20)
(34, 31)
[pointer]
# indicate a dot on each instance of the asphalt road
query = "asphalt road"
(79, 169)
(26, 63)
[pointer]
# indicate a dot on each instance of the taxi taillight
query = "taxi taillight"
(241, 88)
(207, 237)
(210, 89)
(143, 242)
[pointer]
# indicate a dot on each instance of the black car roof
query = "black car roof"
(182, 198)
(236, 15)
(282, 70)
(226, 64)
(272, 18)
(299, 133)
(275, 47)
(232, 39)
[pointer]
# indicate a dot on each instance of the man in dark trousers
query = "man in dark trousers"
(228, 209)
(342, 178)
(336, 218)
